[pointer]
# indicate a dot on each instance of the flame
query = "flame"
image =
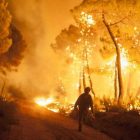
(43, 101)
(124, 61)
(88, 19)
(54, 110)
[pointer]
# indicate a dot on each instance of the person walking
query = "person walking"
(84, 102)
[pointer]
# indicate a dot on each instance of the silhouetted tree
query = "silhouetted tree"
(12, 58)
(5, 20)
(78, 42)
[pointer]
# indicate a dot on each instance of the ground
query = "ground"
(37, 123)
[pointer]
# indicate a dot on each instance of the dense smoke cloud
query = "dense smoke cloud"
(39, 22)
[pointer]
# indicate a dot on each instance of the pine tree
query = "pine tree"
(11, 59)
(115, 22)
(5, 20)
(78, 43)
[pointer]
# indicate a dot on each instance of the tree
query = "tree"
(114, 20)
(78, 43)
(11, 59)
(5, 20)
(5, 41)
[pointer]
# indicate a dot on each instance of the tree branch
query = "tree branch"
(118, 21)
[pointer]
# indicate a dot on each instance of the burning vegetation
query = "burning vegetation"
(102, 45)
(101, 50)
(57, 107)
(113, 34)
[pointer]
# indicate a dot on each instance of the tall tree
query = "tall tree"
(114, 20)
(5, 20)
(5, 41)
(11, 59)
(78, 43)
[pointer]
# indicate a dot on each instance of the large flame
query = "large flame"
(43, 102)
(54, 110)
(124, 61)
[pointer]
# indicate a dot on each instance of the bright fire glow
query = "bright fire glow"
(43, 101)
(54, 110)
(124, 62)
(86, 19)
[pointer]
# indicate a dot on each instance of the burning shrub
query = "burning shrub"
(98, 106)
(108, 105)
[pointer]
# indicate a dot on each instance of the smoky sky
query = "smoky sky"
(39, 22)
(45, 16)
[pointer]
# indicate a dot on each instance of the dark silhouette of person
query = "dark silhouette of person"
(84, 102)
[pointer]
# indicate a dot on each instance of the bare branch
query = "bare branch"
(119, 21)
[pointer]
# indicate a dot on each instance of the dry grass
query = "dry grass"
(117, 122)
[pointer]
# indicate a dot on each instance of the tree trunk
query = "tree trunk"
(86, 58)
(115, 81)
(91, 86)
(90, 81)
(84, 80)
(129, 84)
(2, 90)
(118, 60)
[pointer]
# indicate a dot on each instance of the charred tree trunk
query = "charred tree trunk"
(2, 90)
(115, 81)
(84, 80)
(88, 68)
(118, 60)
(91, 86)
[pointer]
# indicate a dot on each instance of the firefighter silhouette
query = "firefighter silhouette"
(84, 102)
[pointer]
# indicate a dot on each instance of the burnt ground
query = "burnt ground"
(37, 123)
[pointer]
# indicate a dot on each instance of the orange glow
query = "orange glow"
(43, 101)
(124, 62)
(54, 110)
(87, 18)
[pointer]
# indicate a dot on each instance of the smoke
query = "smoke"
(16, 93)
(39, 22)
